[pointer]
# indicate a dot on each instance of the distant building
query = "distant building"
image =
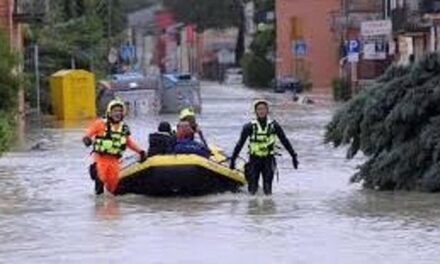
(216, 52)
(416, 27)
(142, 28)
(13, 13)
(376, 51)
(8, 24)
(306, 45)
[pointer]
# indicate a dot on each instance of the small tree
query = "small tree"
(8, 92)
(396, 124)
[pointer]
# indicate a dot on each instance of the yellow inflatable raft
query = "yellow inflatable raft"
(180, 175)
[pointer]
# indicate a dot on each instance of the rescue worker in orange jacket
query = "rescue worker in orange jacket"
(110, 136)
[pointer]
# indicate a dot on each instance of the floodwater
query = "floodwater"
(48, 213)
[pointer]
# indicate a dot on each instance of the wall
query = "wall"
(313, 19)
(12, 29)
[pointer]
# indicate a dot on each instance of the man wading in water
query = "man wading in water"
(262, 133)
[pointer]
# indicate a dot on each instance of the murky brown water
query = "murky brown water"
(48, 213)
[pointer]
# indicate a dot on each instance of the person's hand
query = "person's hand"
(295, 161)
(142, 156)
(87, 141)
(232, 164)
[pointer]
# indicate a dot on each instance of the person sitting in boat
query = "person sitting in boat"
(186, 144)
(187, 114)
(110, 136)
(162, 142)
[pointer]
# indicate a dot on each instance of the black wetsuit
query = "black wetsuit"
(261, 165)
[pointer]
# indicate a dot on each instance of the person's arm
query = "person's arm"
(95, 128)
(282, 136)
(245, 133)
(92, 131)
(131, 144)
(202, 138)
(286, 143)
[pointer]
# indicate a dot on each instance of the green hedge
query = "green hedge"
(7, 131)
(257, 71)
(8, 93)
(341, 90)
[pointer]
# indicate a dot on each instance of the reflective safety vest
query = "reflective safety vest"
(262, 142)
(112, 142)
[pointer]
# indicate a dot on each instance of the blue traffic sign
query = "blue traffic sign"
(128, 52)
(300, 48)
(354, 46)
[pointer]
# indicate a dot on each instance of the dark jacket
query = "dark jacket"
(188, 146)
(161, 144)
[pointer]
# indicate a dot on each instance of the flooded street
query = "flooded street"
(49, 214)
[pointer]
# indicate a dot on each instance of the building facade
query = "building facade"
(7, 22)
(307, 46)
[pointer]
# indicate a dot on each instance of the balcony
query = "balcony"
(408, 20)
(364, 6)
(399, 19)
(430, 6)
(29, 11)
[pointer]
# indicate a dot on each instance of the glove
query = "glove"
(142, 156)
(232, 164)
(295, 161)
(87, 141)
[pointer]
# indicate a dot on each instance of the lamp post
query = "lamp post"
(109, 29)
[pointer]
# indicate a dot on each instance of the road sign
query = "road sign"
(354, 46)
(128, 52)
(353, 57)
(376, 28)
(375, 51)
(112, 56)
(299, 47)
(353, 49)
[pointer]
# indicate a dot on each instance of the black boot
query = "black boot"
(99, 186)
(267, 188)
(93, 171)
(268, 173)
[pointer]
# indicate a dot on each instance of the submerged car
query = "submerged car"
(281, 85)
(233, 76)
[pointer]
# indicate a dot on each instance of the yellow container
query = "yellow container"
(73, 94)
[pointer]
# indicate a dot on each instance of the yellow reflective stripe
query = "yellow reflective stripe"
(114, 145)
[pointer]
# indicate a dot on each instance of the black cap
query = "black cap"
(164, 127)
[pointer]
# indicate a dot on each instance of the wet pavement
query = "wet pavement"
(48, 213)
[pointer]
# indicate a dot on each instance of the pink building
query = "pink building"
(6, 16)
(9, 24)
(307, 47)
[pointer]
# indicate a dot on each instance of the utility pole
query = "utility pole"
(109, 28)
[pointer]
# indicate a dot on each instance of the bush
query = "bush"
(257, 71)
(8, 93)
(7, 131)
(341, 90)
